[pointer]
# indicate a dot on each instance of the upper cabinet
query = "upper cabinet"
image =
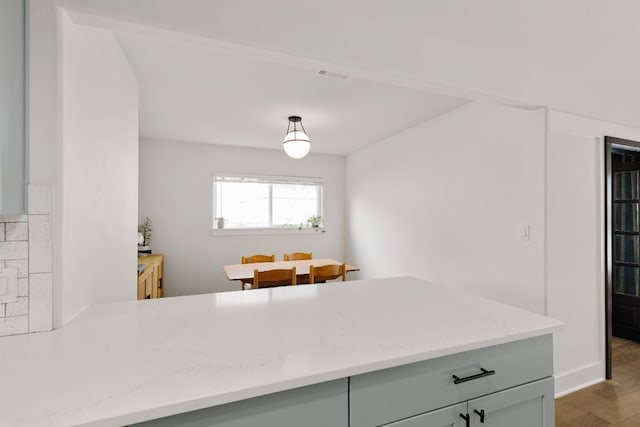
(12, 107)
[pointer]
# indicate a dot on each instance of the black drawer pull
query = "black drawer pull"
(466, 418)
(484, 373)
(480, 414)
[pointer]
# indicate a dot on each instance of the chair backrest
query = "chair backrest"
(270, 278)
(298, 255)
(258, 258)
(327, 272)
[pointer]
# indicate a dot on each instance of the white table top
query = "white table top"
(245, 271)
(127, 362)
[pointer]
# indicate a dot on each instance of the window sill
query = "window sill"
(264, 231)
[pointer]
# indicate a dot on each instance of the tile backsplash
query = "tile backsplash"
(26, 259)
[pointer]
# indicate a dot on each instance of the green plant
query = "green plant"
(314, 221)
(146, 229)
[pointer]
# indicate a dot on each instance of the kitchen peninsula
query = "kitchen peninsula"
(368, 352)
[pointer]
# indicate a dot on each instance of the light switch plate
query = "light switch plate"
(524, 233)
(8, 285)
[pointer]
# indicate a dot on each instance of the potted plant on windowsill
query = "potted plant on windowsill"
(220, 222)
(315, 222)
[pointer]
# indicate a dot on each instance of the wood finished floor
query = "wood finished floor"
(614, 402)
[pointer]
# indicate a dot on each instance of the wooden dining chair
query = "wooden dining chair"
(327, 272)
(252, 260)
(294, 256)
(258, 258)
(303, 279)
(272, 278)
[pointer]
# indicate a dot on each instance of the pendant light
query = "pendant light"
(296, 143)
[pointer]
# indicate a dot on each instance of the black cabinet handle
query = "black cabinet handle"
(484, 373)
(466, 418)
(481, 414)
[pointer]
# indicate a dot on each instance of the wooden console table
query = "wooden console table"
(151, 280)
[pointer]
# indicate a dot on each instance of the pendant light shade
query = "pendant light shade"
(296, 143)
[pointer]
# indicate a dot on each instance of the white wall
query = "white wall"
(575, 244)
(176, 193)
(444, 199)
(100, 172)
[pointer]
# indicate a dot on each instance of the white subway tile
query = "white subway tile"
(14, 325)
(16, 231)
(14, 218)
(40, 302)
(2, 228)
(21, 264)
(13, 250)
(23, 287)
(8, 285)
(40, 228)
(40, 199)
(19, 308)
(40, 244)
(2, 309)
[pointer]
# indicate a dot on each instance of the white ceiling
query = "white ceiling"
(194, 93)
(573, 55)
(569, 31)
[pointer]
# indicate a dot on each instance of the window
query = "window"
(250, 201)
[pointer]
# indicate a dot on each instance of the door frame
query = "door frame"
(610, 143)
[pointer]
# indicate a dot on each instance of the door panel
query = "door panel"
(625, 274)
(530, 405)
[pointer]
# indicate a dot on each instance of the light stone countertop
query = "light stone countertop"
(128, 362)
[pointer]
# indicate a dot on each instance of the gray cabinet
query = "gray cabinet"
(386, 396)
(12, 107)
(506, 385)
(530, 405)
(319, 405)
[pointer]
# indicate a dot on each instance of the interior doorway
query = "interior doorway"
(622, 167)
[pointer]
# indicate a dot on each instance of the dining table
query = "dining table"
(244, 272)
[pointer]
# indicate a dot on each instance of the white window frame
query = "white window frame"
(273, 179)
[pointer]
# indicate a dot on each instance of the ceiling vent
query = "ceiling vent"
(333, 75)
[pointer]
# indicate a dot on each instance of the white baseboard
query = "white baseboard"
(568, 382)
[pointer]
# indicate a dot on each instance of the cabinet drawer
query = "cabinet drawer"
(392, 394)
(451, 416)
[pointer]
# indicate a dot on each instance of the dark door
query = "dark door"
(625, 300)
